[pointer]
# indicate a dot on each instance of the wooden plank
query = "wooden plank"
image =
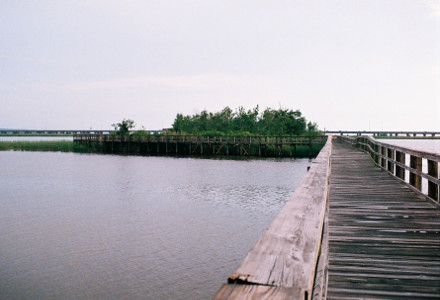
(384, 240)
(286, 254)
(321, 275)
(246, 291)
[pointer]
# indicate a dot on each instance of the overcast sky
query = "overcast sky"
(346, 64)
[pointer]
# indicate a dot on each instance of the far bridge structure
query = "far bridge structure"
(363, 224)
(385, 133)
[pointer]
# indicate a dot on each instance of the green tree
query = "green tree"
(124, 127)
(242, 121)
(312, 128)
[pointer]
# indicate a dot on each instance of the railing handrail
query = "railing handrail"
(391, 158)
(422, 154)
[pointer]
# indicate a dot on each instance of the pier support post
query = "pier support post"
(377, 149)
(383, 160)
(414, 179)
(400, 172)
(390, 155)
(433, 189)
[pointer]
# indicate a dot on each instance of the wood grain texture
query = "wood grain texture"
(384, 240)
(286, 255)
(248, 291)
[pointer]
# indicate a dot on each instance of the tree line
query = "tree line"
(245, 122)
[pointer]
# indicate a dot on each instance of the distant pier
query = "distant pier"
(273, 146)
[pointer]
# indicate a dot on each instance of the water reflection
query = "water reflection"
(103, 226)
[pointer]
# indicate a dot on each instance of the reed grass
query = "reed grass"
(60, 146)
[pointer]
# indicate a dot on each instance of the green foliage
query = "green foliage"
(245, 122)
(62, 146)
(142, 132)
(124, 127)
(53, 146)
(212, 133)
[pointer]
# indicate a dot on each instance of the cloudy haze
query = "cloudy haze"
(345, 64)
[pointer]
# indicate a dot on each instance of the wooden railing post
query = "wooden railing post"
(414, 179)
(400, 172)
(433, 188)
(390, 155)
(376, 153)
(383, 160)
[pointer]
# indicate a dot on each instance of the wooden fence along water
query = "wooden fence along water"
(404, 164)
(350, 231)
(203, 145)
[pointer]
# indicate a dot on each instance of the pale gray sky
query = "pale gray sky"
(346, 64)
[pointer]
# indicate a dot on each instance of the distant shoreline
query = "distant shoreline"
(36, 135)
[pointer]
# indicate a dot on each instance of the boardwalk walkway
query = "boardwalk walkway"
(384, 240)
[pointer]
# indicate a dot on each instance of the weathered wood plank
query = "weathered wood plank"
(286, 254)
(248, 291)
(384, 240)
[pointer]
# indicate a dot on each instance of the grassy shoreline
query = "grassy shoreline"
(54, 146)
(36, 135)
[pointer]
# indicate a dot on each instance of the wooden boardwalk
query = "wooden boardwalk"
(383, 239)
(282, 263)
(350, 231)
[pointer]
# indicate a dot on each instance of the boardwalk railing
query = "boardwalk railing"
(417, 169)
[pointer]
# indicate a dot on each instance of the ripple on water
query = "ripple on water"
(104, 226)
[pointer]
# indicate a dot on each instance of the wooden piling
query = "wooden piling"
(390, 155)
(400, 171)
(433, 188)
(415, 179)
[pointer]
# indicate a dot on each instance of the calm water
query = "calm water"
(79, 226)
